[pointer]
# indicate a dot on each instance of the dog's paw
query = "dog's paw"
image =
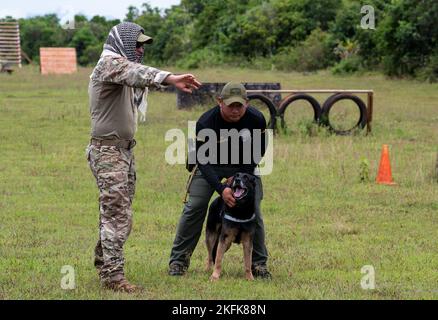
(214, 278)
(249, 277)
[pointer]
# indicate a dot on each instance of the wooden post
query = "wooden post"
(436, 168)
(370, 111)
(25, 56)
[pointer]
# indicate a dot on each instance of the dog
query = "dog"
(226, 225)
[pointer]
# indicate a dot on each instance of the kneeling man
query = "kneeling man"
(232, 115)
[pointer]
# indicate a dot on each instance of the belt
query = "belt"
(125, 144)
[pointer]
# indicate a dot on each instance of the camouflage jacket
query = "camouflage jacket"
(112, 95)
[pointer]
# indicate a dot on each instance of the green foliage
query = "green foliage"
(46, 31)
(430, 71)
(297, 19)
(83, 38)
(90, 54)
(254, 32)
(408, 36)
(308, 128)
(202, 58)
(310, 55)
(364, 170)
(172, 41)
(349, 65)
(300, 35)
(38, 32)
(350, 60)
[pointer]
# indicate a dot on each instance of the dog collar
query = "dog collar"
(228, 217)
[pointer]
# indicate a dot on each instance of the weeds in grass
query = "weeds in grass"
(364, 170)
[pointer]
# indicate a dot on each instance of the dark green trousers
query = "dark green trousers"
(193, 215)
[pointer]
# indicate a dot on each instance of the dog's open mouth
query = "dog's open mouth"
(239, 192)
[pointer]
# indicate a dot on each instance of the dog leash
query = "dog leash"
(189, 183)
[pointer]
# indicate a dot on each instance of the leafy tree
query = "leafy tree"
(132, 14)
(297, 18)
(253, 33)
(408, 36)
(40, 31)
(287, 34)
(83, 38)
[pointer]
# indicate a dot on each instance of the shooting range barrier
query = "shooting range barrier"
(207, 93)
(58, 60)
(10, 50)
(321, 114)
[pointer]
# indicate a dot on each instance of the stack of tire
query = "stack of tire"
(321, 114)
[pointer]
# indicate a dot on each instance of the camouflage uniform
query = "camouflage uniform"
(113, 108)
(114, 170)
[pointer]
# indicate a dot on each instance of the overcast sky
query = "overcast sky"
(68, 8)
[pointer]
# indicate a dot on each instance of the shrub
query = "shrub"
(312, 54)
(364, 170)
(206, 57)
(348, 65)
(91, 55)
(430, 71)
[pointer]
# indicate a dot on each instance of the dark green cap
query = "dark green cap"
(234, 92)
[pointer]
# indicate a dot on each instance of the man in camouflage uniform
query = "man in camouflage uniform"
(117, 90)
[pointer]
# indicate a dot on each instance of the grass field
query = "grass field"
(322, 223)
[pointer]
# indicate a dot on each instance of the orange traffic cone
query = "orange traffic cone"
(384, 175)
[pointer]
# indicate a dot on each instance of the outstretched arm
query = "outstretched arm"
(121, 71)
(183, 82)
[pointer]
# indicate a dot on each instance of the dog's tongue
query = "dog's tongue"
(238, 192)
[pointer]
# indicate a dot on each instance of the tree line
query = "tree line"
(291, 35)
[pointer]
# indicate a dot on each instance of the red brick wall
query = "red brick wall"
(58, 60)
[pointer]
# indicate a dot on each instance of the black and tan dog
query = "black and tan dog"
(226, 225)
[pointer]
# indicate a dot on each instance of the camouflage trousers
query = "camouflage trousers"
(114, 170)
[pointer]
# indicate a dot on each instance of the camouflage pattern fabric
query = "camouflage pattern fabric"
(114, 170)
(114, 82)
(121, 71)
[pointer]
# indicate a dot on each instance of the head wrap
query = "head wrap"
(122, 40)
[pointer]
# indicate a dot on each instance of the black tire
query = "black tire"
(288, 101)
(328, 104)
(270, 105)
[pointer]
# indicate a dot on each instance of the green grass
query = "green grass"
(322, 223)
